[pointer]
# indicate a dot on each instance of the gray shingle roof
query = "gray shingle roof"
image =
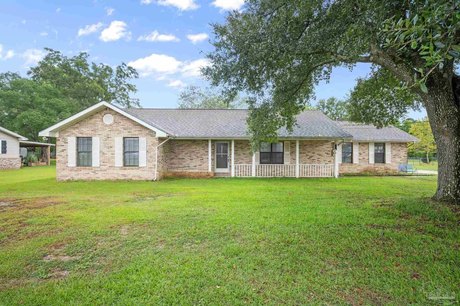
(230, 123)
(367, 132)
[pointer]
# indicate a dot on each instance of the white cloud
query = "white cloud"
(176, 84)
(58, 10)
(109, 11)
(89, 29)
(115, 31)
(196, 38)
(183, 5)
(193, 68)
(44, 34)
(228, 4)
(156, 64)
(5, 55)
(33, 56)
(156, 36)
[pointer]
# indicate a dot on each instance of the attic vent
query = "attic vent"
(107, 119)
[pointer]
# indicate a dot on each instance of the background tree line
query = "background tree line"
(58, 87)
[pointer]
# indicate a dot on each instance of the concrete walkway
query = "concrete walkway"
(426, 172)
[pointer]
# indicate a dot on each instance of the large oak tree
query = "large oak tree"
(276, 51)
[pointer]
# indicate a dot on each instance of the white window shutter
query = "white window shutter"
(118, 152)
(142, 152)
(388, 152)
(287, 153)
(371, 153)
(71, 151)
(355, 152)
(338, 152)
(96, 152)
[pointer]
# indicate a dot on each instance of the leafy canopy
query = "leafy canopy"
(277, 51)
(422, 130)
(58, 87)
(334, 108)
(193, 97)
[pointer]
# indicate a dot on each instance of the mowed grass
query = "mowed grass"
(353, 240)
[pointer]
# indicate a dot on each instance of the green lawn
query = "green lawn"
(423, 166)
(355, 240)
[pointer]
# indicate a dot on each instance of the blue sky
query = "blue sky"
(165, 40)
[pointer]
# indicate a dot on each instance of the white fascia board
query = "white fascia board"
(16, 135)
(53, 131)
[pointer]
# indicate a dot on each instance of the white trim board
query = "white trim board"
(53, 131)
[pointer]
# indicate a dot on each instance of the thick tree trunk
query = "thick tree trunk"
(443, 108)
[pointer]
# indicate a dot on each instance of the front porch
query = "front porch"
(234, 158)
(274, 170)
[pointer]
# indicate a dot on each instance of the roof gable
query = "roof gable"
(53, 131)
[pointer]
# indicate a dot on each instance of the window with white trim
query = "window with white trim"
(131, 151)
(379, 153)
(84, 151)
(347, 153)
(272, 153)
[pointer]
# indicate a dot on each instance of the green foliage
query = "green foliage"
(27, 106)
(277, 51)
(429, 28)
(334, 108)
(85, 82)
(59, 87)
(381, 99)
(422, 130)
(31, 158)
(194, 97)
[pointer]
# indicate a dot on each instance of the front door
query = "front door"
(221, 156)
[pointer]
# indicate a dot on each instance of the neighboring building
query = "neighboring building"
(106, 142)
(13, 146)
(9, 149)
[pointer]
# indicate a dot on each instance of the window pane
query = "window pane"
(131, 151)
(265, 158)
(84, 151)
(265, 147)
(277, 158)
(131, 144)
(379, 153)
(84, 159)
(131, 159)
(347, 152)
(277, 147)
(3, 147)
(379, 148)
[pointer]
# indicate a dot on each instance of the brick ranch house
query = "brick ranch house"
(106, 142)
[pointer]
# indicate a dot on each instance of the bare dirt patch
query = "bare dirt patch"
(57, 253)
(28, 203)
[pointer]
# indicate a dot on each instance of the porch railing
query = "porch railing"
(269, 170)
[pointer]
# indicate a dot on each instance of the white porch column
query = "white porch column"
(297, 161)
(336, 161)
(209, 155)
(233, 158)
(253, 164)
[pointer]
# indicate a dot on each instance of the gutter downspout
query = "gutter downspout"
(156, 157)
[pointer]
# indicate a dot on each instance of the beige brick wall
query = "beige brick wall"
(94, 127)
(10, 163)
(186, 156)
(315, 152)
(398, 156)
